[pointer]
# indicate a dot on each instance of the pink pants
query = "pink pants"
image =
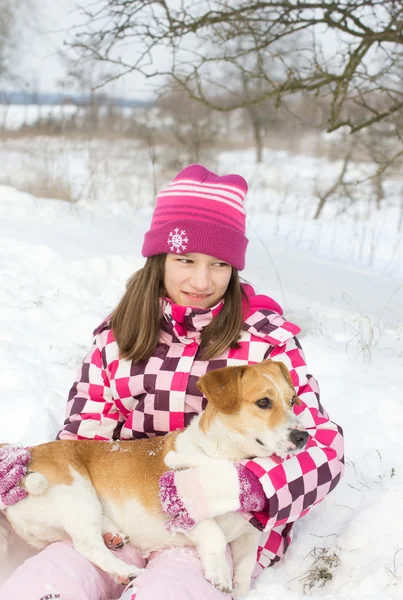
(59, 571)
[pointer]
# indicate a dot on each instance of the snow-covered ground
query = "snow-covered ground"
(63, 267)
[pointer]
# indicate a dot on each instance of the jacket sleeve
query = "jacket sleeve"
(299, 482)
(91, 411)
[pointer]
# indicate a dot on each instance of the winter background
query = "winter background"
(63, 267)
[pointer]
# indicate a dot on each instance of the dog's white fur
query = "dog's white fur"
(76, 509)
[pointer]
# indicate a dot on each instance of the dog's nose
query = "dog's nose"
(298, 437)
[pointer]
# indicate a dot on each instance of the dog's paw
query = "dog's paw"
(177, 461)
(220, 581)
(115, 541)
(130, 573)
(218, 573)
(174, 461)
(241, 590)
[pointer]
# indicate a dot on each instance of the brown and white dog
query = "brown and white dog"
(82, 489)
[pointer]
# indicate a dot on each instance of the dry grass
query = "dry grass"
(311, 142)
(321, 572)
(43, 186)
(76, 170)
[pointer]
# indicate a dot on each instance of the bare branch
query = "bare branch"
(350, 51)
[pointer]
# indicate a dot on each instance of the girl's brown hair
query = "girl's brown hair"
(136, 321)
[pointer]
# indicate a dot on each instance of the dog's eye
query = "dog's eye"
(264, 403)
(293, 401)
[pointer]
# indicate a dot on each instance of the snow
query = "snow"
(63, 267)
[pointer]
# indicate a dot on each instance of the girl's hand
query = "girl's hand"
(191, 495)
(13, 461)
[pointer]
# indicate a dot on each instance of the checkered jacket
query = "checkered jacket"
(114, 398)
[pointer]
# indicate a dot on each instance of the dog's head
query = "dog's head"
(256, 403)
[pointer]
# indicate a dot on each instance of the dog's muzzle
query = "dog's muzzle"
(298, 437)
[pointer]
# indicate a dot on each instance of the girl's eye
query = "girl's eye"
(184, 261)
(221, 264)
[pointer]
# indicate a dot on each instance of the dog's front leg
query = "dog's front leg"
(177, 461)
(244, 549)
(210, 543)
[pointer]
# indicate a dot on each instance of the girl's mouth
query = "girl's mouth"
(197, 296)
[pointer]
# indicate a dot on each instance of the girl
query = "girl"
(184, 313)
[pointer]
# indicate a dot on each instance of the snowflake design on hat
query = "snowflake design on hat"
(177, 240)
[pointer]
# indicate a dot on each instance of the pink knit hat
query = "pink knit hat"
(200, 212)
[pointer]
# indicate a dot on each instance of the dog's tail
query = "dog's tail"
(36, 483)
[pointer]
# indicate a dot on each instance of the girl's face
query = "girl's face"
(196, 279)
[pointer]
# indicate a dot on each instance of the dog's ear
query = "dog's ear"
(222, 388)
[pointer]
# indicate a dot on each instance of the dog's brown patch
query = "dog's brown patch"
(136, 464)
(145, 459)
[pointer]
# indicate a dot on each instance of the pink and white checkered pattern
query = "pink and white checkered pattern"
(118, 399)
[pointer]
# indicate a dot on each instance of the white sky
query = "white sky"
(44, 34)
(53, 20)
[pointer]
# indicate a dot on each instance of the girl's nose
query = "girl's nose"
(200, 279)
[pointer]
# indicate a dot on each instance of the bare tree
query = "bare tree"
(193, 126)
(368, 157)
(338, 187)
(12, 14)
(83, 77)
(7, 17)
(351, 50)
(259, 115)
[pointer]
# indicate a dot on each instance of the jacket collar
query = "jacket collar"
(262, 318)
(188, 321)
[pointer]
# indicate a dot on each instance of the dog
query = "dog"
(84, 489)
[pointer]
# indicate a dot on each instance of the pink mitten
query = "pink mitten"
(191, 495)
(13, 461)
